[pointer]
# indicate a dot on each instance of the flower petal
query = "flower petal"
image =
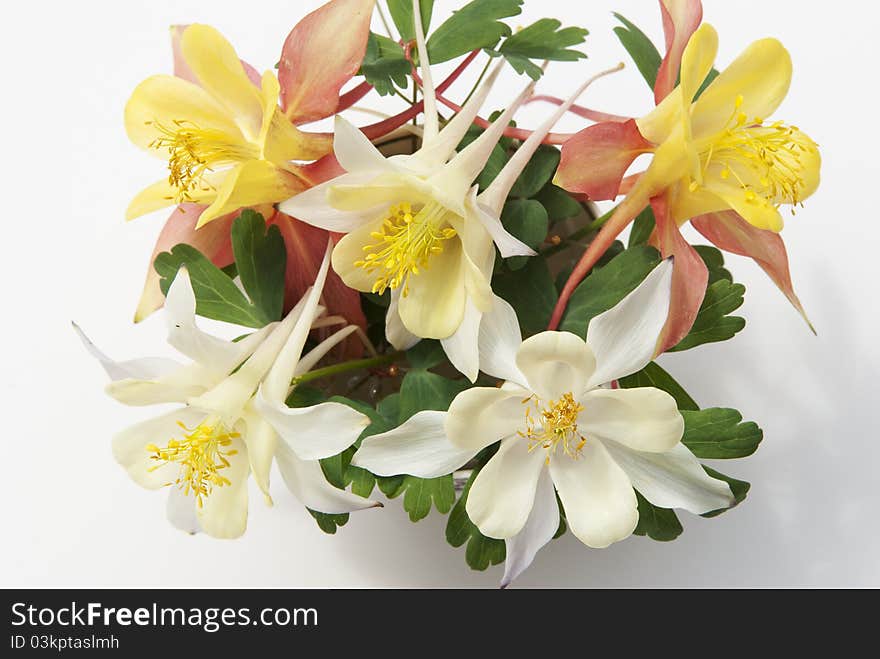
(595, 160)
(728, 231)
(674, 479)
(644, 419)
(306, 482)
(313, 207)
(322, 52)
(761, 75)
(130, 446)
(503, 494)
(598, 498)
(162, 194)
(624, 338)
(354, 152)
(481, 416)
(434, 305)
(418, 447)
(181, 511)
(395, 331)
(262, 442)
(224, 511)
(555, 363)
(508, 244)
(213, 60)
(540, 528)
(690, 277)
(500, 339)
(698, 57)
(680, 20)
(462, 348)
(315, 432)
(140, 369)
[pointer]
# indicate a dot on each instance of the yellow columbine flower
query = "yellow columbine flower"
(227, 143)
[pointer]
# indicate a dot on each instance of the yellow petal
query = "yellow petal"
(350, 250)
(250, 184)
(164, 100)
(162, 194)
(755, 210)
(697, 60)
(390, 189)
(761, 75)
(215, 63)
(657, 125)
(281, 140)
(434, 307)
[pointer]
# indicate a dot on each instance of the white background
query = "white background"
(71, 516)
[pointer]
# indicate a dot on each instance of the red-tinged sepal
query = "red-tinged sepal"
(597, 158)
(323, 52)
(212, 240)
(305, 248)
(731, 233)
(681, 18)
(689, 276)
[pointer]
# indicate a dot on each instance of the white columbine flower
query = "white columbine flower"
(415, 224)
(233, 415)
(561, 432)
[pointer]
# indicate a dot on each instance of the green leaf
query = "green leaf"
(713, 323)
(426, 354)
(402, 15)
(659, 524)
(714, 73)
(714, 260)
(739, 488)
(481, 551)
(305, 396)
(261, 261)
(217, 296)
(537, 173)
(421, 493)
(719, 433)
(476, 25)
(422, 390)
(642, 227)
(654, 376)
(527, 220)
(607, 286)
(329, 523)
(384, 65)
(542, 40)
(558, 203)
(641, 49)
(531, 292)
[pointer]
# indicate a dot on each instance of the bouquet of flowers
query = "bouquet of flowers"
(430, 306)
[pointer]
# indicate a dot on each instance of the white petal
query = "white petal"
(555, 363)
(224, 511)
(462, 348)
(499, 340)
(312, 207)
(645, 419)
(418, 447)
(503, 494)
(599, 500)
(508, 244)
(674, 479)
(306, 482)
(316, 354)
(540, 528)
(395, 331)
(314, 432)
(624, 338)
(262, 441)
(130, 446)
(181, 511)
(178, 387)
(354, 151)
(140, 369)
(481, 416)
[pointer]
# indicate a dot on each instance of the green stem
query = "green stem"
(345, 367)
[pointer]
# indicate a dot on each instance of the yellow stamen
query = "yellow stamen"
(556, 425)
(202, 454)
(405, 244)
(194, 151)
(766, 160)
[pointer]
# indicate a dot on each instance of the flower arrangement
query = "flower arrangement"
(430, 306)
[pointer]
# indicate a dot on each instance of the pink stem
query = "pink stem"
(374, 131)
(580, 110)
(352, 96)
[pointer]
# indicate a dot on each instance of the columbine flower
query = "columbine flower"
(718, 157)
(560, 432)
(233, 415)
(415, 224)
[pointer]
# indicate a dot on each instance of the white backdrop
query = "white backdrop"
(72, 517)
